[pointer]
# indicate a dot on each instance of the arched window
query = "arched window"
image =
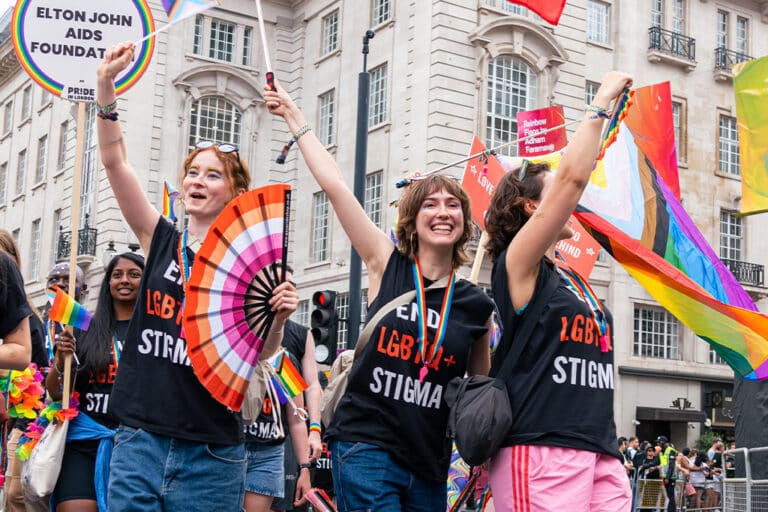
(511, 89)
(214, 118)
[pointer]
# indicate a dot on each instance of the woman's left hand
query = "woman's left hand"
(284, 301)
(303, 486)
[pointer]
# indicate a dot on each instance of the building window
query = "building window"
(597, 21)
(590, 90)
(26, 103)
(56, 229)
(330, 33)
(320, 225)
(742, 35)
(90, 157)
(63, 134)
(45, 98)
(301, 316)
(342, 313)
(326, 117)
(678, 16)
(214, 118)
(3, 182)
(197, 41)
(730, 235)
(657, 13)
(511, 89)
(377, 111)
(678, 122)
(8, 117)
(42, 152)
(21, 170)
(247, 39)
(34, 250)
(655, 333)
(373, 201)
(380, 12)
(722, 29)
(222, 41)
(16, 234)
(728, 145)
(714, 357)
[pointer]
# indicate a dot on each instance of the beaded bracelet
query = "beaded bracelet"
(598, 112)
(315, 427)
(108, 111)
(304, 129)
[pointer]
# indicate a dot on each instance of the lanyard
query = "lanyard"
(50, 336)
(185, 268)
(115, 351)
(445, 309)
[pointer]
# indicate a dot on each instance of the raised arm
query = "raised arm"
(371, 243)
(141, 216)
(565, 189)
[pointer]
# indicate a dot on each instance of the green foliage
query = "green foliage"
(706, 439)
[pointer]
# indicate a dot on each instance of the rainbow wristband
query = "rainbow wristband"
(315, 427)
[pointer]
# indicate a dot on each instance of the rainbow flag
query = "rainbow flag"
(177, 10)
(66, 310)
(634, 215)
(169, 196)
(289, 380)
(750, 85)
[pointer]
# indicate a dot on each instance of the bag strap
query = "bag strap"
(398, 301)
(520, 336)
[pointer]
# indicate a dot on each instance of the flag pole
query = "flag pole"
(267, 63)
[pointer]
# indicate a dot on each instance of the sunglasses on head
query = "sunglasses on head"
(224, 148)
(407, 181)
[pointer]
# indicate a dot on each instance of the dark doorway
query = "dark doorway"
(649, 430)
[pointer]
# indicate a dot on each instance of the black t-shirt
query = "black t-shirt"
(13, 301)
(295, 341)
(265, 429)
(39, 349)
(156, 389)
(385, 403)
(95, 386)
(561, 387)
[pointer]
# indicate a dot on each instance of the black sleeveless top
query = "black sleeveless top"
(385, 403)
(156, 389)
(561, 387)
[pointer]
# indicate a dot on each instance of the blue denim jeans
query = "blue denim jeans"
(366, 479)
(155, 473)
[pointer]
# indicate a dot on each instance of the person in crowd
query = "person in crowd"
(14, 497)
(699, 476)
(177, 448)
(265, 475)
(562, 413)
(628, 467)
(98, 351)
(713, 448)
(649, 481)
(633, 445)
(715, 485)
(388, 443)
(668, 458)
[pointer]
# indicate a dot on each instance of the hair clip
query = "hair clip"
(523, 168)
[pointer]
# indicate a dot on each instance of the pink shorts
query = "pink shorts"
(548, 478)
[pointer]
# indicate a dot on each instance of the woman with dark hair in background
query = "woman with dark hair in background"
(15, 351)
(98, 352)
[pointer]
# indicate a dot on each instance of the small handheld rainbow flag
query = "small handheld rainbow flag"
(179, 9)
(289, 380)
(169, 196)
(619, 113)
(67, 310)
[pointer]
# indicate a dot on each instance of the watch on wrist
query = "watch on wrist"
(305, 465)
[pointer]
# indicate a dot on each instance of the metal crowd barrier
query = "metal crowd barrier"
(745, 489)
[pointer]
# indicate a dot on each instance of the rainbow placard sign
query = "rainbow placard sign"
(60, 43)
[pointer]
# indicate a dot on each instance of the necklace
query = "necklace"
(445, 309)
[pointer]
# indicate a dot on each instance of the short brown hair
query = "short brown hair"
(409, 206)
(235, 170)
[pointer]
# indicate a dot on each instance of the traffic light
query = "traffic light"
(323, 324)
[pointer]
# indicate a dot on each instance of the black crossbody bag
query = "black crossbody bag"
(481, 414)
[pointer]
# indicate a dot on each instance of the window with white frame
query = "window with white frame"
(342, 313)
(34, 250)
(679, 124)
(301, 316)
(222, 40)
(21, 172)
(56, 230)
(373, 198)
(326, 117)
(590, 90)
(26, 103)
(714, 357)
(377, 110)
(197, 40)
(657, 13)
(655, 333)
(722, 29)
(678, 16)
(215, 119)
(320, 228)
(511, 89)
(3, 182)
(598, 16)
(90, 158)
(730, 235)
(728, 146)
(46, 97)
(742, 35)
(247, 42)
(42, 158)
(8, 117)
(61, 160)
(330, 35)
(381, 11)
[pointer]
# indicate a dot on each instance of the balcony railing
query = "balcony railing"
(746, 273)
(725, 58)
(672, 43)
(86, 242)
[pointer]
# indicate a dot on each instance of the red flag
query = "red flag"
(550, 10)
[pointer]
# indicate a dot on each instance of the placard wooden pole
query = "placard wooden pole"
(479, 255)
(74, 237)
